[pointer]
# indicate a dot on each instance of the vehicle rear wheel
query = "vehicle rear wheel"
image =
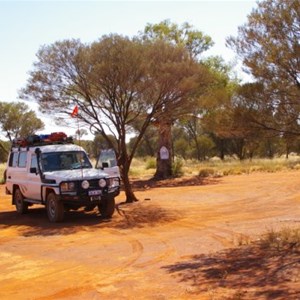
(55, 208)
(107, 207)
(21, 205)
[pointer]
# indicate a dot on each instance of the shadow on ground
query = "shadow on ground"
(128, 216)
(248, 272)
(173, 182)
(141, 214)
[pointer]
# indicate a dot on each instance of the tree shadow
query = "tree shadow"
(145, 184)
(142, 214)
(248, 272)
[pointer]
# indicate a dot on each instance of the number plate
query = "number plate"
(95, 193)
(95, 198)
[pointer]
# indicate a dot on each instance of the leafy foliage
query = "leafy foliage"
(16, 120)
(116, 83)
(4, 149)
(195, 41)
(269, 46)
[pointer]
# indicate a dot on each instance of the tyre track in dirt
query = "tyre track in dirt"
(108, 273)
(225, 237)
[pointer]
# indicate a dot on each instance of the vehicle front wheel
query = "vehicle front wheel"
(107, 207)
(55, 208)
(21, 205)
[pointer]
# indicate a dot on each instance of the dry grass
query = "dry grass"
(145, 167)
(142, 168)
(288, 239)
(217, 168)
(2, 168)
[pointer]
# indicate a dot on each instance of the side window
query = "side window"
(22, 160)
(13, 159)
(107, 156)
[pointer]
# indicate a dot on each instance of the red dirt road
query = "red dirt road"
(171, 246)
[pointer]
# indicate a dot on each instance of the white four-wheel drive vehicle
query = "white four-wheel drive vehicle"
(51, 171)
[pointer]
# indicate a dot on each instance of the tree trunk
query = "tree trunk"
(240, 148)
(222, 149)
(287, 152)
(199, 158)
(124, 165)
(130, 197)
(164, 153)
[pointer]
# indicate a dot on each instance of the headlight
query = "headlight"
(85, 184)
(67, 187)
(114, 182)
(102, 182)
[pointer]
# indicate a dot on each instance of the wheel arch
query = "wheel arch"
(46, 191)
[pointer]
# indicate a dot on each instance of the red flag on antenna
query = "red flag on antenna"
(74, 112)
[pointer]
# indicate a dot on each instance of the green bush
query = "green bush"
(177, 167)
(206, 172)
(150, 163)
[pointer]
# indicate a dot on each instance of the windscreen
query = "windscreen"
(58, 161)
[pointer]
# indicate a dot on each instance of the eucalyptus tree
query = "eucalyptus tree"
(195, 42)
(258, 121)
(115, 82)
(205, 119)
(17, 120)
(269, 47)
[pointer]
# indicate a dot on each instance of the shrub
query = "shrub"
(206, 172)
(177, 167)
(281, 240)
(150, 163)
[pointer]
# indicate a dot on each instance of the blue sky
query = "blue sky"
(26, 25)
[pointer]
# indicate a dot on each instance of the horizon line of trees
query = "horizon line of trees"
(206, 146)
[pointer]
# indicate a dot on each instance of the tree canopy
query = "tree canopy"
(17, 120)
(195, 41)
(269, 47)
(115, 82)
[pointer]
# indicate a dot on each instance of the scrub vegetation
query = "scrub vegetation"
(145, 167)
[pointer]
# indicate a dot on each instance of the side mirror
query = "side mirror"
(104, 165)
(34, 170)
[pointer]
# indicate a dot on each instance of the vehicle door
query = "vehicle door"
(12, 172)
(33, 178)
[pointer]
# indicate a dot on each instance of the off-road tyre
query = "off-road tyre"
(21, 205)
(55, 208)
(107, 207)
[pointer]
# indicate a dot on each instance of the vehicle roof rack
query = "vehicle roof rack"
(42, 140)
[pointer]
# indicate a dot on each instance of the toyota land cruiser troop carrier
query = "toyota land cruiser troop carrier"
(52, 171)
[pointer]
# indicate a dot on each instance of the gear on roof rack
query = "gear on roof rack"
(43, 139)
